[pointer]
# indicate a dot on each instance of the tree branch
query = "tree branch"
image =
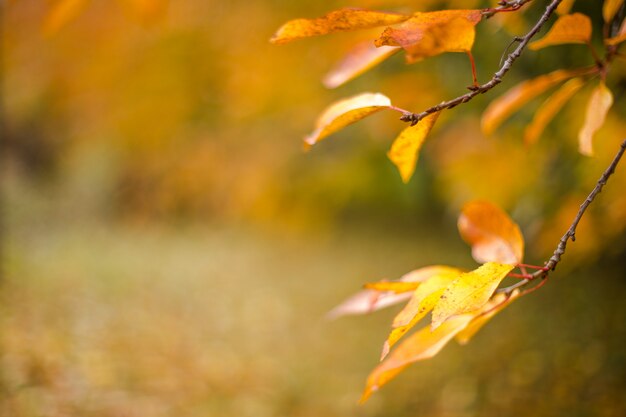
(413, 118)
(551, 264)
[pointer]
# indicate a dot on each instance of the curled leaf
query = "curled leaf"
(345, 112)
(469, 292)
(421, 345)
(491, 233)
(610, 9)
(598, 106)
(422, 302)
(493, 307)
(571, 28)
(433, 33)
(362, 57)
(336, 21)
(504, 106)
(550, 108)
(405, 149)
(370, 300)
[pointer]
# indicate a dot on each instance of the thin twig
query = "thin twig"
(570, 234)
(504, 6)
(413, 118)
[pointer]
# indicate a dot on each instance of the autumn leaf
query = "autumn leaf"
(62, 13)
(610, 8)
(422, 302)
(433, 33)
(598, 106)
(336, 21)
(469, 292)
(504, 106)
(371, 300)
(393, 286)
(491, 233)
(362, 57)
(345, 112)
(421, 345)
(550, 108)
(565, 7)
(405, 149)
(571, 28)
(493, 307)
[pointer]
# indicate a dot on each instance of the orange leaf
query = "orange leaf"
(610, 8)
(370, 300)
(491, 233)
(470, 292)
(493, 307)
(598, 106)
(62, 13)
(433, 33)
(550, 108)
(423, 300)
(405, 149)
(421, 345)
(362, 57)
(565, 7)
(571, 28)
(345, 112)
(504, 106)
(336, 21)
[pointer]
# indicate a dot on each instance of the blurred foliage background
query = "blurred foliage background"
(168, 249)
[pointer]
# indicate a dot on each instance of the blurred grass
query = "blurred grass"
(110, 319)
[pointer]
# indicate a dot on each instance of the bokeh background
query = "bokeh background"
(168, 249)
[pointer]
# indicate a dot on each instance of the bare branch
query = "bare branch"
(413, 118)
(570, 234)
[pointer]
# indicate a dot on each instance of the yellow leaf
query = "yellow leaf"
(565, 7)
(370, 300)
(504, 106)
(362, 57)
(550, 108)
(421, 345)
(411, 280)
(336, 21)
(405, 149)
(432, 33)
(491, 233)
(393, 286)
(571, 28)
(345, 112)
(493, 307)
(62, 13)
(598, 106)
(469, 292)
(422, 302)
(610, 8)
